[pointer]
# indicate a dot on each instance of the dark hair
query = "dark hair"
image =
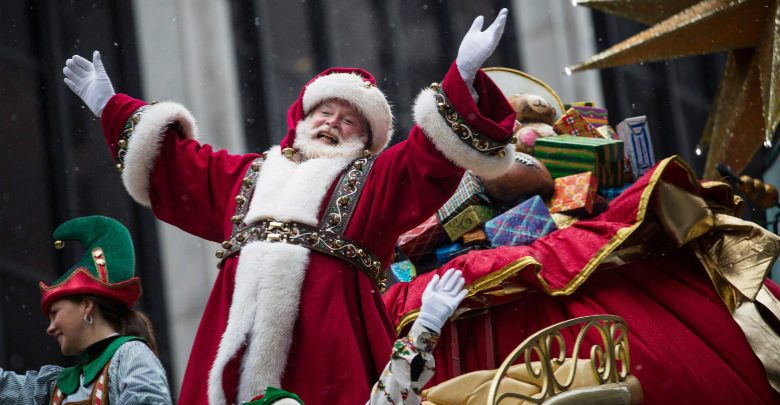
(126, 321)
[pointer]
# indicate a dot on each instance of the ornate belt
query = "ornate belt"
(326, 238)
(296, 233)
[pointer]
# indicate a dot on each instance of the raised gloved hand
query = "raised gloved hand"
(441, 298)
(477, 46)
(89, 81)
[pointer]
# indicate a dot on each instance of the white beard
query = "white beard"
(310, 147)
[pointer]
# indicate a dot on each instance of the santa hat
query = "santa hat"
(106, 268)
(353, 85)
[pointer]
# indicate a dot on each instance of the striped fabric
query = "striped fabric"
(135, 377)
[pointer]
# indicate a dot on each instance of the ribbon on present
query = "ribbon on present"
(521, 225)
(470, 192)
(573, 123)
(422, 239)
(469, 219)
(575, 192)
(565, 155)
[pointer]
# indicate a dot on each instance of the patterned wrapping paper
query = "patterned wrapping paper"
(594, 115)
(467, 220)
(635, 134)
(470, 192)
(565, 155)
(573, 123)
(573, 193)
(521, 225)
(403, 271)
(422, 239)
(607, 132)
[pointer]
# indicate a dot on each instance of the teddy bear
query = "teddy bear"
(535, 117)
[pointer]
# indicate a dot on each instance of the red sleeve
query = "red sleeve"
(186, 183)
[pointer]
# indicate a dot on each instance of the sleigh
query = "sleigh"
(669, 259)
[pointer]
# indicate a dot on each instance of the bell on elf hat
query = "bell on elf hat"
(107, 267)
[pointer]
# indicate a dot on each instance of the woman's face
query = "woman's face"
(67, 325)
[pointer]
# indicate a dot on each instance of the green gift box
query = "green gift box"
(565, 155)
(468, 219)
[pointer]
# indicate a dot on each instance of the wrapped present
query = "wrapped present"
(403, 271)
(579, 104)
(467, 220)
(470, 192)
(565, 155)
(574, 193)
(449, 252)
(594, 115)
(521, 225)
(475, 237)
(611, 193)
(635, 134)
(573, 123)
(607, 132)
(563, 220)
(422, 239)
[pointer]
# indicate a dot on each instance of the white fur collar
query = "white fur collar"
(269, 275)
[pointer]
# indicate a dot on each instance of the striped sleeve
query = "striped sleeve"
(136, 376)
(32, 388)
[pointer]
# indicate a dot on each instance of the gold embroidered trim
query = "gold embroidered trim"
(483, 144)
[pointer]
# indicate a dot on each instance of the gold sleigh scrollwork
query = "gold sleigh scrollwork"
(609, 357)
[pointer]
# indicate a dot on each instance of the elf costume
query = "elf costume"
(117, 369)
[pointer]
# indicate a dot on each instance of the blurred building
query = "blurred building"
(238, 65)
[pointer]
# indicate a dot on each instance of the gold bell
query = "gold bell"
(240, 199)
(122, 143)
(58, 244)
(435, 86)
(220, 254)
(120, 167)
(256, 165)
(288, 153)
(366, 153)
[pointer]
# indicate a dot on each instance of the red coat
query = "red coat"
(342, 336)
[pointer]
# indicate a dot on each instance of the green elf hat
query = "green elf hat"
(275, 396)
(106, 268)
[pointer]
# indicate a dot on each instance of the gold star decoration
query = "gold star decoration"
(746, 110)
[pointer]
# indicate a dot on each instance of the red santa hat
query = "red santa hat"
(353, 85)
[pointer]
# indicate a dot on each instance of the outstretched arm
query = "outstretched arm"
(32, 388)
(155, 147)
(412, 364)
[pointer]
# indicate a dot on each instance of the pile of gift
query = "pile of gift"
(590, 162)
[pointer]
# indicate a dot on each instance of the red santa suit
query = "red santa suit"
(281, 314)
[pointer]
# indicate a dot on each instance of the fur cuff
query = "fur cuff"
(143, 148)
(427, 116)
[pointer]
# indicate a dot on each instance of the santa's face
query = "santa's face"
(332, 129)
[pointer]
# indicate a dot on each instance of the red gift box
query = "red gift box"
(573, 123)
(575, 192)
(422, 239)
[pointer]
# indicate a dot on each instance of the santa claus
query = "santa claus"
(308, 226)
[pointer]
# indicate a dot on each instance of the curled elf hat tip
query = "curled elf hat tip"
(107, 267)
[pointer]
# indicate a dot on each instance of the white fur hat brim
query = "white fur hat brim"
(363, 95)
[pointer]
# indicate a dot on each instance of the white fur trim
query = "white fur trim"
(269, 275)
(427, 116)
(368, 99)
(144, 145)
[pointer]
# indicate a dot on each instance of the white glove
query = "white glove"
(477, 46)
(441, 298)
(89, 81)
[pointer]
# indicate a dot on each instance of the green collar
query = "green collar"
(68, 380)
